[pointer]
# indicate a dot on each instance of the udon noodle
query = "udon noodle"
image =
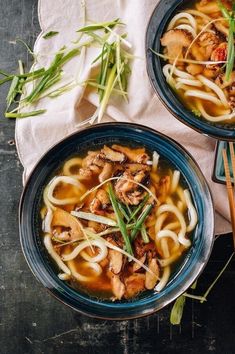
(196, 49)
(116, 220)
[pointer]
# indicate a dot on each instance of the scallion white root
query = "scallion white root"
(93, 217)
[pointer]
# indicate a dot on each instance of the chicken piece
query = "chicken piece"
(115, 261)
(150, 279)
(212, 71)
(194, 69)
(65, 219)
(134, 285)
(100, 202)
(220, 52)
(136, 155)
(85, 174)
(136, 266)
(106, 172)
(141, 248)
(118, 287)
(204, 46)
(130, 192)
(62, 236)
(111, 155)
(207, 6)
(176, 40)
(88, 160)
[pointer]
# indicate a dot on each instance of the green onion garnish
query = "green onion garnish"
(121, 223)
(141, 220)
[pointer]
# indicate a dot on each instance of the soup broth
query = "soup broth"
(116, 221)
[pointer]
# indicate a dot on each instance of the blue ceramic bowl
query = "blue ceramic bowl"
(157, 26)
(93, 138)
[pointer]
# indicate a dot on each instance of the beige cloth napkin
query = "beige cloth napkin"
(35, 135)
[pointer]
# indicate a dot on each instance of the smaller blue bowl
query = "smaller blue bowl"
(219, 172)
(92, 138)
(157, 26)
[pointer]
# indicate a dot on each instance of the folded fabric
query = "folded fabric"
(35, 135)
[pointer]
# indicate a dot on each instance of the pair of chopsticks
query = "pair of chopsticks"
(229, 186)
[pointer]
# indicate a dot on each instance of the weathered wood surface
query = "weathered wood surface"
(31, 321)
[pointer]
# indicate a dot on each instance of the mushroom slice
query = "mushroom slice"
(134, 284)
(150, 279)
(118, 287)
(111, 155)
(176, 40)
(65, 219)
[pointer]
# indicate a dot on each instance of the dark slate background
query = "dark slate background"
(31, 321)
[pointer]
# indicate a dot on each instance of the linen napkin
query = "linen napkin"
(35, 135)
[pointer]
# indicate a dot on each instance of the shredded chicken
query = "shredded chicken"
(100, 202)
(134, 285)
(150, 279)
(106, 172)
(220, 52)
(194, 69)
(204, 46)
(137, 155)
(111, 155)
(115, 261)
(118, 287)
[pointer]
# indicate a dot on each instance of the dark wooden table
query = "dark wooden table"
(31, 321)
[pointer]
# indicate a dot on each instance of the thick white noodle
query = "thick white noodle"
(187, 28)
(156, 157)
(172, 225)
(165, 248)
(219, 92)
(46, 223)
(75, 161)
(84, 244)
(166, 262)
(199, 14)
(169, 234)
(175, 180)
(63, 179)
(180, 82)
(94, 266)
(167, 70)
(54, 255)
(192, 211)
(159, 222)
(181, 15)
(203, 96)
(164, 279)
(173, 209)
(214, 118)
(64, 276)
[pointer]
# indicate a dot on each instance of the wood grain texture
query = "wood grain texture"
(31, 321)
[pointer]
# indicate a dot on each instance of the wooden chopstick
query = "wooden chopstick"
(230, 187)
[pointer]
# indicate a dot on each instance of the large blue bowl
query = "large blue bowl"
(92, 138)
(157, 26)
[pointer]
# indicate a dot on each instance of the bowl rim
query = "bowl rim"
(183, 115)
(53, 291)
